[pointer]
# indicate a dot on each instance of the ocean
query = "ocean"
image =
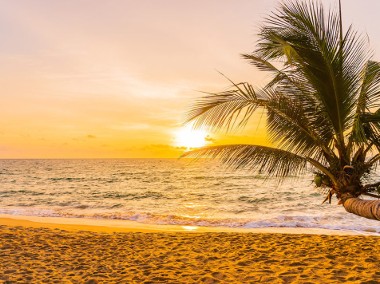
(169, 191)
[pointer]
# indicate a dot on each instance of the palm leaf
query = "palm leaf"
(370, 88)
(219, 110)
(291, 128)
(298, 33)
(320, 103)
(268, 160)
(368, 99)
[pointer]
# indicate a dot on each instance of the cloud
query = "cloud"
(208, 138)
(162, 147)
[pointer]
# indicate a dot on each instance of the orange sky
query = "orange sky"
(113, 79)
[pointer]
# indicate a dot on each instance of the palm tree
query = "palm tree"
(322, 106)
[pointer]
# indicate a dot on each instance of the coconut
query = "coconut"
(318, 180)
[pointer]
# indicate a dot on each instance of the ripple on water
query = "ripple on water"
(160, 191)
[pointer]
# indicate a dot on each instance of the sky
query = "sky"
(114, 79)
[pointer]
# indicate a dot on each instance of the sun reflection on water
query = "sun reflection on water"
(190, 228)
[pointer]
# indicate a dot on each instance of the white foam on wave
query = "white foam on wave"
(167, 192)
(313, 222)
(281, 221)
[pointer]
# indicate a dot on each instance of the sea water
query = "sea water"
(169, 191)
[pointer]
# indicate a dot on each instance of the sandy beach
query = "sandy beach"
(66, 254)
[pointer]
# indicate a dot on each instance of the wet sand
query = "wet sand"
(61, 254)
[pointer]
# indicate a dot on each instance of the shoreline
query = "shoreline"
(116, 226)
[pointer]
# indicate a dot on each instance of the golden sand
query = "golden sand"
(51, 255)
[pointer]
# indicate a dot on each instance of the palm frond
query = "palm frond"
(366, 129)
(291, 129)
(219, 110)
(368, 98)
(324, 92)
(261, 63)
(295, 89)
(373, 119)
(281, 78)
(309, 41)
(371, 86)
(268, 160)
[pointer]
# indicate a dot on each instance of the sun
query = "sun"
(189, 137)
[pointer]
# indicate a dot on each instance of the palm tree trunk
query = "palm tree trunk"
(365, 208)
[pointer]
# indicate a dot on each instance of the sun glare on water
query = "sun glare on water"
(190, 138)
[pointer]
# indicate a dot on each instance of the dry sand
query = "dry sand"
(51, 255)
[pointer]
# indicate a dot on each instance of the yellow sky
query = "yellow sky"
(113, 79)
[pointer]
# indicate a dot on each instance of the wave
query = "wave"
(282, 221)
(146, 190)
